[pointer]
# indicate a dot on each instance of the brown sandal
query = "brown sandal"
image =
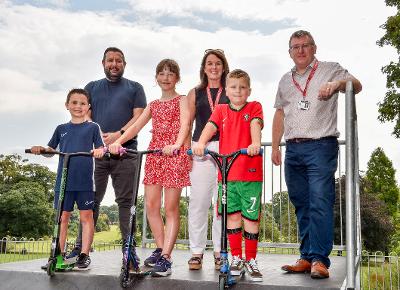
(217, 263)
(195, 263)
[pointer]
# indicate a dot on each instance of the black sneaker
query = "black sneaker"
(162, 268)
(74, 253)
(153, 258)
(83, 261)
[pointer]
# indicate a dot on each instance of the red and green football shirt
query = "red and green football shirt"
(234, 128)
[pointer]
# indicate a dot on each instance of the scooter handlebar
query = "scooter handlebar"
(242, 151)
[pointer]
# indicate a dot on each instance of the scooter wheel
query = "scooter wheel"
(125, 281)
(222, 282)
(51, 267)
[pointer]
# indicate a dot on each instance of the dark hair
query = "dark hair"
(171, 64)
(203, 77)
(78, 91)
(301, 33)
(114, 49)
(239, 74)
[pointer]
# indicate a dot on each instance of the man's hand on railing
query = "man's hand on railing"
(276, 156)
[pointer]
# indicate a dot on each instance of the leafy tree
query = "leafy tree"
(381, 181)
(26, 197)
(376, 223)
(389, 109)
(103, 223)
(14, 169)
(284, 216)
(25, 211)
(112, 212)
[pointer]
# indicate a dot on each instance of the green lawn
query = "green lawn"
(109, 236)
(29, 250)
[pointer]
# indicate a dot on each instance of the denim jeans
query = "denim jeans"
(310, 177)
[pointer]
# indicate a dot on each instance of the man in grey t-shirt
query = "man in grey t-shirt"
(306, 113)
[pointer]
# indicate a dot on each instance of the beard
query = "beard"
(113, 77)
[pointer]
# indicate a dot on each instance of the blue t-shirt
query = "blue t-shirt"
(70, 138)
(112, 104)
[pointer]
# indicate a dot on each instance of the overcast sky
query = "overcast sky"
(49, 47)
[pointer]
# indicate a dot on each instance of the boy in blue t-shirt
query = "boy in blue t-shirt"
(78, 135)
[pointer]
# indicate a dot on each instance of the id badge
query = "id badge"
(303, 105)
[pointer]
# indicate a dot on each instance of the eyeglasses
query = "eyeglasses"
(214, 49)
(303, 46)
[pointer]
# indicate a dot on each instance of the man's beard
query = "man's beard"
(113, 78)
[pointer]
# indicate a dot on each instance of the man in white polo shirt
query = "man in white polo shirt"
(306, 113)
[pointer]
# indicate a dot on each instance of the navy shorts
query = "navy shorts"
(84, 200)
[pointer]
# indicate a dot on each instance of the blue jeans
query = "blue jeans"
(310, 177)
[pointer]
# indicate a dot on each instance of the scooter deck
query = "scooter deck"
(143, 271)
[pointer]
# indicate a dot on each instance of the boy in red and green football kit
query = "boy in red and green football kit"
(239, 124)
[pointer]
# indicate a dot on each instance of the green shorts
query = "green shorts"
(244, 197)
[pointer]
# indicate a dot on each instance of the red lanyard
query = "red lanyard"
(212, 106)
(310, 76)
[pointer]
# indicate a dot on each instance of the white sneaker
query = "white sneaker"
(237, 266)
(253, 271)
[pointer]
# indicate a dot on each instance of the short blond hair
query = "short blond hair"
(239, 74)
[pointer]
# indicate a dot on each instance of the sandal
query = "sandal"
(195, 263)
(217, 263)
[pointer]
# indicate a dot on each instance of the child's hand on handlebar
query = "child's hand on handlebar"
(37, 149)
(253, 149)
(98, 153)
(114, 148)
(198, 149)
(170, 149)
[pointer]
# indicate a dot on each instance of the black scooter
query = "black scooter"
(224, 163)
(127, 278)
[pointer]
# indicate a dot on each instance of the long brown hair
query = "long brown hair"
(203, 77)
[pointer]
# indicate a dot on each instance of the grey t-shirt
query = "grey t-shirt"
(321, 118)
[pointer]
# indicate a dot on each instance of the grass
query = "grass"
(29, 250)
(108, 236)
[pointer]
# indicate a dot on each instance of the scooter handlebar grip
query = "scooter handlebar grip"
(190, 152)
(244, 151)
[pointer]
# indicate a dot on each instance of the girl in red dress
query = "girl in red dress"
(169, 172)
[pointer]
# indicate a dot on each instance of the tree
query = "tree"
(112, 212)
(25, 211)
(389, 109)
(376, 223)
(381, 181)
(26, 198)
(103, 223)
(285, 219)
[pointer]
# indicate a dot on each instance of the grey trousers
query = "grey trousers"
(123, 180)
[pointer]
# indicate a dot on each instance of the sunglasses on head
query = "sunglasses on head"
(214, 49)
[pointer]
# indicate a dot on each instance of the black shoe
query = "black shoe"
(83, 261)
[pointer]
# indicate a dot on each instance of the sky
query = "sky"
(49, 47)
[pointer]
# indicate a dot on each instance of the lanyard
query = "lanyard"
(310, 76)
(212, 106)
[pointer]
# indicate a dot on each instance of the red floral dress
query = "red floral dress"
(167, 171)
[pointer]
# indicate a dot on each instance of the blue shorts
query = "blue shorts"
(84, 200)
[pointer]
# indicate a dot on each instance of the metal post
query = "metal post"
(350, 190)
